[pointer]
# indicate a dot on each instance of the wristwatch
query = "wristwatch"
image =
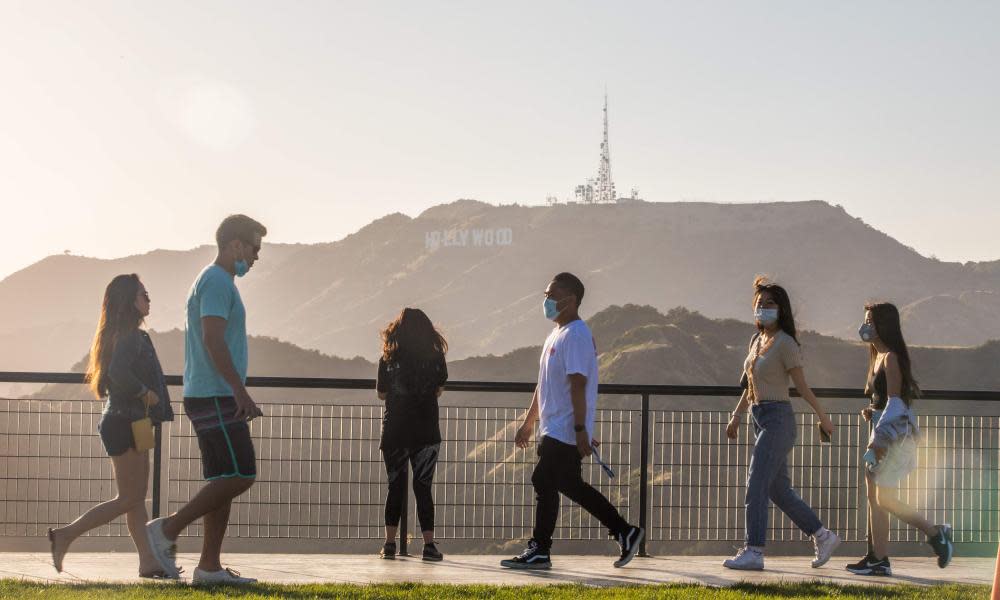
(579, 428)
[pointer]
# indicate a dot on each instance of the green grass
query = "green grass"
(27, 590)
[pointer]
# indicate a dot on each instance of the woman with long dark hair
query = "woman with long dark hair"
(892, 446)
(774, 357)
(125, 371)
(411, 376)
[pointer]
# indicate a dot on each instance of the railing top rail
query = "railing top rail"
(511, 386)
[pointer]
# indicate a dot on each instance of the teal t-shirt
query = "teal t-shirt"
(213, 294)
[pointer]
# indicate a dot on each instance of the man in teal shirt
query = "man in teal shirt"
(217, 402)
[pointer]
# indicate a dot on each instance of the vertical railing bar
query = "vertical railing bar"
(644, 470)
(404, 520)
(157, 467)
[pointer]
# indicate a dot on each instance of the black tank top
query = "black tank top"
(877, 387)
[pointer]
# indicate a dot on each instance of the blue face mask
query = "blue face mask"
(766, 316)
(550, 309)
(241, 267)
(867, 332)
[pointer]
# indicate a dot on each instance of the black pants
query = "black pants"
(424, 461)
(558, 471)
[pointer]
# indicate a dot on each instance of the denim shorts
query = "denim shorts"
(116, 434)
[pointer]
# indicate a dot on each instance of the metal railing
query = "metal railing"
(320, 474)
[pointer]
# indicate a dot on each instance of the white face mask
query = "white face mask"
(766, 316)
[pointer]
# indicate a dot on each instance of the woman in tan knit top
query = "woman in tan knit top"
(775, 356)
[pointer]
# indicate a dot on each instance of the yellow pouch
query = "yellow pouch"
(142, 432)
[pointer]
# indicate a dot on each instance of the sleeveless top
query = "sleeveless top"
(877, 387)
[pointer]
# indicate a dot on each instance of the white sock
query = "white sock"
(758, 549)
(822, 533)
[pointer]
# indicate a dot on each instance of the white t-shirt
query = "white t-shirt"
(568, 350)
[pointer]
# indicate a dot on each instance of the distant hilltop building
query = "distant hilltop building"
(600, 189)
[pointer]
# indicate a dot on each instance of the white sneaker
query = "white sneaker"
(163, 549)
(746, 559)
(824, 543)
(227, 576)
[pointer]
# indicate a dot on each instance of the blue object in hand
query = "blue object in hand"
(607, 469)
(870, 457)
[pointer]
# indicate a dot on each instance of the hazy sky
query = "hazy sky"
(128, 126)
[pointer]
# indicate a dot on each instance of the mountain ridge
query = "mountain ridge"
(335, 296)
(681, 347)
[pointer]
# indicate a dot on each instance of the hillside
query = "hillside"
(954, 320)
(636, 344)
(479, 271)
(51, 308)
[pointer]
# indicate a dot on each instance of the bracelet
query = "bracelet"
(736, 415)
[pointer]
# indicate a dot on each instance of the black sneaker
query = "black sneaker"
(532, 558)
(629, 541)
(870, 566)
(388, 551)
(942, 545)
(861, 564)
(432, 553)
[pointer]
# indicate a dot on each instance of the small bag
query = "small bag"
(142, 432)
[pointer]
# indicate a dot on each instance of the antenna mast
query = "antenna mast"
(604, 190)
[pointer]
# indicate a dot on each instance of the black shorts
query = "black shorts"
(116, 434)
(226, 447)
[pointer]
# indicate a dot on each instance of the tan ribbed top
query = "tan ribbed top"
(770, 373)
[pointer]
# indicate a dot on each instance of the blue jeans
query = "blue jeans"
(774, 426)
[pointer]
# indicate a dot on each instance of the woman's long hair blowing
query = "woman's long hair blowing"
(786, 321)
(119, 316)
(412, 342)
(885, 317)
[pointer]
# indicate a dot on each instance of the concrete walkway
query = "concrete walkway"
(468, 569)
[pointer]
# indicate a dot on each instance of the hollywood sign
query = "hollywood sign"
(463, 238)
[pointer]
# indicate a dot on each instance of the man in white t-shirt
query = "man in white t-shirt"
(565, 402)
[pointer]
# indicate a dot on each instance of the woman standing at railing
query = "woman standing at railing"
(774, 356)
(892, 445)
(125, 370)
(411, 374)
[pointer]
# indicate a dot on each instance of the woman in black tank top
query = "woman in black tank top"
(889, 377)
(876, 388)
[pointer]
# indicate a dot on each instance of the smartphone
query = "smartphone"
(824, 437)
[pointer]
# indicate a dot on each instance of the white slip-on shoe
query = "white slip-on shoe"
(824, 545)
(225, 576)
(163, 549)
(746, 559)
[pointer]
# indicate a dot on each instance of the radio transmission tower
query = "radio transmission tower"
(604, 187)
